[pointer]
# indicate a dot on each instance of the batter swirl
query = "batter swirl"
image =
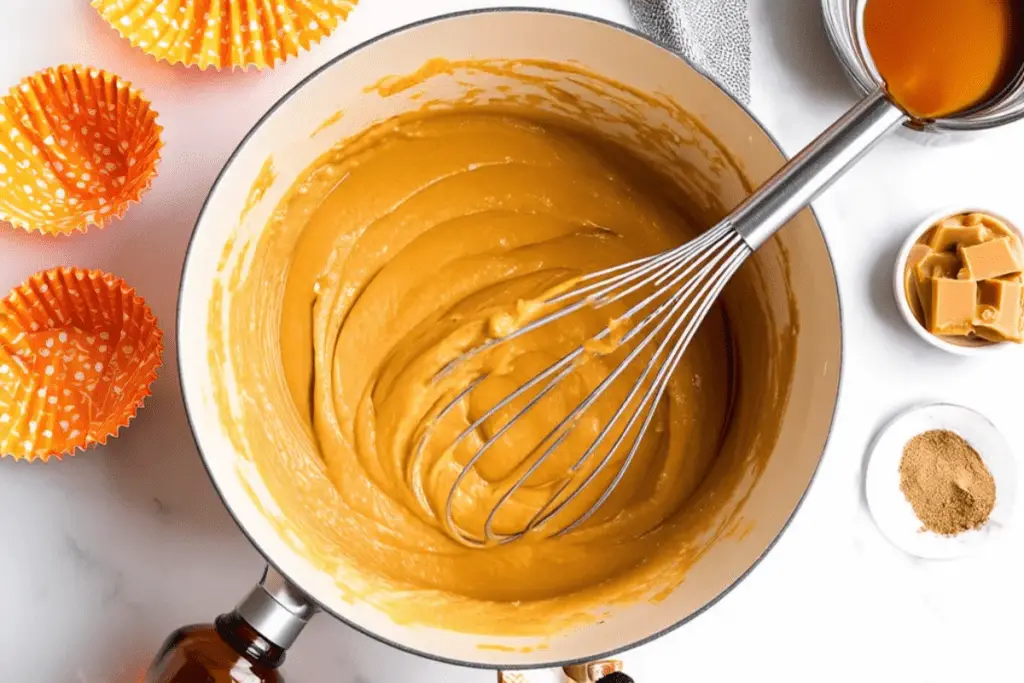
(425, 232)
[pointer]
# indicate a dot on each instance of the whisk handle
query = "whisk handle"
(816, 167)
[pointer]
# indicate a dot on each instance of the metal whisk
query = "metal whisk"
(676, 290)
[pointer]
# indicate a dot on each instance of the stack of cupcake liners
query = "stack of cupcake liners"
(224, 33)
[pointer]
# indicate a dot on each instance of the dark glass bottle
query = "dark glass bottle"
(246, 645)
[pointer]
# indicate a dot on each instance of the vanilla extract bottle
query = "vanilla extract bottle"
(246, 645)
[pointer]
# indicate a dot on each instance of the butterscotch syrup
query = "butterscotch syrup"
(943, 57)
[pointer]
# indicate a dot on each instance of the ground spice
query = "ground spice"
(946, 482)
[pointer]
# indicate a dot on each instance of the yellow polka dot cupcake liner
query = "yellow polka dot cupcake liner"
(78, 145)
(79, 350)
(224, 33)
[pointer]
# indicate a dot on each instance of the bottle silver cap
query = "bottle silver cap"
(276, 609)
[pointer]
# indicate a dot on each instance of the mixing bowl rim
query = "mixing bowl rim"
(192, 425)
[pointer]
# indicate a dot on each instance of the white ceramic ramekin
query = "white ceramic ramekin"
(966, 348)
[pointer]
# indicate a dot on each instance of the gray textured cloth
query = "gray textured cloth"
(713, 34)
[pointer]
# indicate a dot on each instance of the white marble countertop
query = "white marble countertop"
(103, 554)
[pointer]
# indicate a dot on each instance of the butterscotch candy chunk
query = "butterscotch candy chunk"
(950, 234)
(938, 264)
(917, 254)
(953, 306)
(989, 260)
(1000, 313)
(910, 290)
(934, 264)
(998, 227)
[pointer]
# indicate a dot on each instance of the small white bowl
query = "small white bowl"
(891, 510)
(965, 348)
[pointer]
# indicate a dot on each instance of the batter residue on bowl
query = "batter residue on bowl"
(401, 248)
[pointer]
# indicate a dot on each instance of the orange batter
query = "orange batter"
(430, 229)
(410, 242)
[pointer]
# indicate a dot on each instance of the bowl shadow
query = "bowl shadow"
(881, 292)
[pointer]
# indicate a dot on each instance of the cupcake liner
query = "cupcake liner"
(224, 33)
(78, 353)
(78, 145)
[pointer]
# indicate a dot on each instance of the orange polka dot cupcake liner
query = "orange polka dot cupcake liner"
(224, 33)
(78, 146)
(79, 350)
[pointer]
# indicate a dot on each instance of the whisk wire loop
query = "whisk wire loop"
(684, 283)
(670, 308)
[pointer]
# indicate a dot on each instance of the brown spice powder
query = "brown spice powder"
(946, 482)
